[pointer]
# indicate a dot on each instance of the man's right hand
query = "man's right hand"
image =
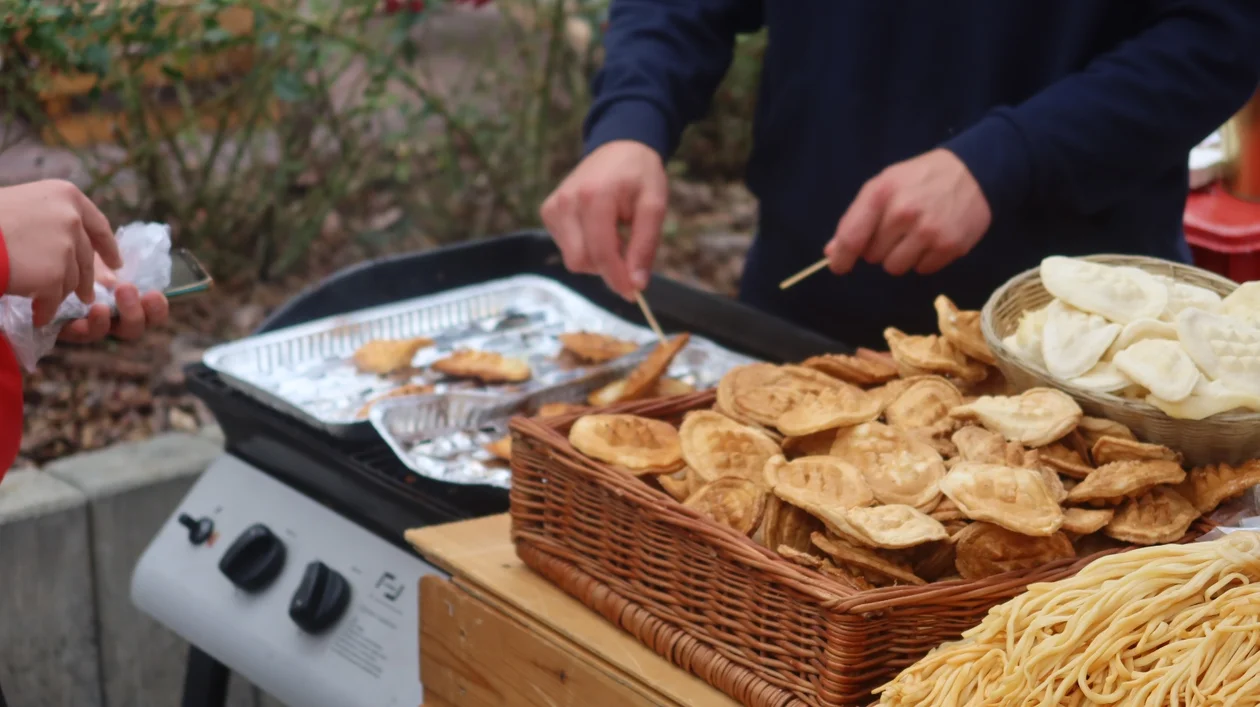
(619, 182)
(52, 232)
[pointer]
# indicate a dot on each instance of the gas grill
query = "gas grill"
(286, 561)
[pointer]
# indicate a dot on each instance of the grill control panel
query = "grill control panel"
(313, 609)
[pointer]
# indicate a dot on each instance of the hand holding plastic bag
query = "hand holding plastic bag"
(146, 255)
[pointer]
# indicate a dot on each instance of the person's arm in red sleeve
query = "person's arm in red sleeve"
(10, 384)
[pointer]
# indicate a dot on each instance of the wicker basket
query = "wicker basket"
(1229, 437)
(767, 632)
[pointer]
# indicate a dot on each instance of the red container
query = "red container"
(1224, 233)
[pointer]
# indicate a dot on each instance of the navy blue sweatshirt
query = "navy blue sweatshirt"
(1075, 117)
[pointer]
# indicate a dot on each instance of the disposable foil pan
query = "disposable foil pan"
(307, 371)
(443, 437)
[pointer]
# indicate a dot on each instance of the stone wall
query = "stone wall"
(70, 535)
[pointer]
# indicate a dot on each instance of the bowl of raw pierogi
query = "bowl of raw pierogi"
(1172, 351)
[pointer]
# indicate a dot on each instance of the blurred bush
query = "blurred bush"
(348, 120)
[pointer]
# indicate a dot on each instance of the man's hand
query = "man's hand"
(136, 313)
(51, 233)
(921, 215)
(620, 182)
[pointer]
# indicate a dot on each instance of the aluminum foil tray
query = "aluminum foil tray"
(443, 436)
(306, 371)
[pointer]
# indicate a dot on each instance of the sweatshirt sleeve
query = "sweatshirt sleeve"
(1088, 140)
(663, 61)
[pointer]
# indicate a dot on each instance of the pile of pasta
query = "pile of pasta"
(1168, 625)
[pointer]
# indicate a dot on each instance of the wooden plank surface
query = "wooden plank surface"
(474, 655)
(480, 555)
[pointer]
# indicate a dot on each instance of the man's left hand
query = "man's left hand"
(136, 313)
(921, 215)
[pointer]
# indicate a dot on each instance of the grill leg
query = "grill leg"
(205, 682)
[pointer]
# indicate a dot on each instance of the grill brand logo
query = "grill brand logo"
(390, 587)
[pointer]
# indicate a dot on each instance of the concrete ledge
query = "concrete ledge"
(126, 467)
(47, 603)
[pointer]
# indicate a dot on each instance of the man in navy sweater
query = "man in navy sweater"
(923, 146)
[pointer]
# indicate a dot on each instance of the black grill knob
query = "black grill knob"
(254, 559)
(321, 598)
(199, 529)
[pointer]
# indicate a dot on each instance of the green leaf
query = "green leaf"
(288, 87)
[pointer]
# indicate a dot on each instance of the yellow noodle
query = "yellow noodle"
(1158, 626)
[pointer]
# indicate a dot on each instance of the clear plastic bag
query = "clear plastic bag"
(146, 256)
(1242, 513)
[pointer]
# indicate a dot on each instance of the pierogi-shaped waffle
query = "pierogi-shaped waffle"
(1073, 342)
(1025, 341)
(1112, 483)
(1083, 521)
(1141, 330)
(1243, 304)
(1118, 293)
(1160, 515)
(399, 392)
(962, 329)
(976, 444)
(1161, 366)
(1209, 486)
(1095, 428)
(486, 366)
(1034, 418)
(827, 409)
(1012, 497)
(1066, 461)
(1183, 295)
(878, 568)
(924, 404)
(714, 446)
(732, 501)
(680, 484)
(984, 550)
(799, 557)
(931, 354)
(894, 527)
(1226, 349)
(615, 391)
(384, 356)
(899, 468)
(788, 525)
(645, 376)
(1102, 378)
(762, 392)
(829, 479)
(635, 444)
(853, 369)
(596, 348)
(1209, 398)
(1118, 449)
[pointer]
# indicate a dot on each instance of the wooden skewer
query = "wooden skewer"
(803, 274)
(647, 314)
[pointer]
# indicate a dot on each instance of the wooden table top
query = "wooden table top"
(482, 560)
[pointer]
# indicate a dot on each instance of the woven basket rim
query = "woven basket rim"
(1139, 407)
(832, 594)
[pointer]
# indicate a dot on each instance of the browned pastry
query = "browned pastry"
(486, 366)
(596, 348)
(384, 356)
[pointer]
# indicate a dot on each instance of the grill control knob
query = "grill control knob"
(199, 529)
(321, 598)
(254, 559)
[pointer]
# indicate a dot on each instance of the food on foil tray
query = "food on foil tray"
(485, 366)
(401, 392)
(596, 348)
(1174, 624)
(646, 381)
(935, 473)
(385, 356)
(501, 448)
(1123, 331)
